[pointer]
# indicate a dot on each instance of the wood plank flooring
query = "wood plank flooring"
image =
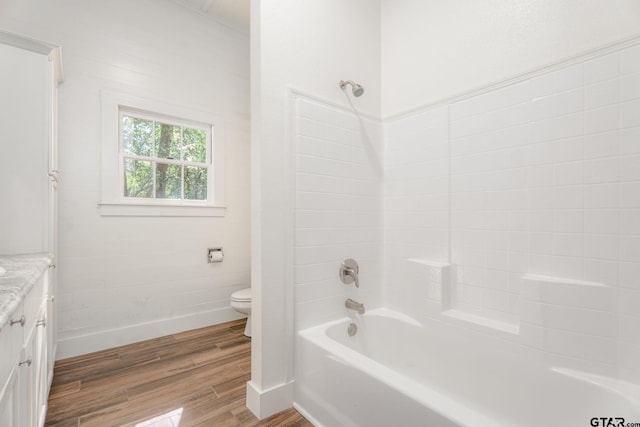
(191, 379)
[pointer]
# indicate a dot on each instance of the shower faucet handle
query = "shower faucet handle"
(349, 272)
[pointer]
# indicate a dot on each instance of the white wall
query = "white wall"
(435, 49)
(127, 279)
(544, 212)
(309, 46)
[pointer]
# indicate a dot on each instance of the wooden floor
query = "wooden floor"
(197, 377)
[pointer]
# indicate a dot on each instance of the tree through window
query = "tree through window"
(164, 159)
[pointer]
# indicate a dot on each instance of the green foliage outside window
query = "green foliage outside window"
(146, 143)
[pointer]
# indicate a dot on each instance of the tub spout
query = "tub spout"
(353, 305)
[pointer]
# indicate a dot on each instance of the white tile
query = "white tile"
(569, 293)
(601, 271)
(629, 302)
(568, 244)
(495, 300)
(601, 221)
(630, 168)
(496, 260)
(601, 68)
(630, 60)
(630, 329)
(600, 349)
(496, 279)
(518, 262)
(472, 295)
(570, 197)
(518, 241)
(630, 248)
(519, 220)
(568, 173)
(568, 221)
(566, 126)
(592, 322)
(630, 221)
(629, 275)
(601, 196)
(601, 144)
(630, 194)
(601, 246)
(566, 150)
(601, 94)
(630, 87)
(630, 140)
(601, 171)
(513, 303)
(630, 114)
(540, 176)
(628, 354)
(497, 240)
(541, 243)
(541, 198)
(541, 264)
(602, 119)
(541, 220)
(568, 266)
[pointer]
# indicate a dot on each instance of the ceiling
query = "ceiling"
(234, 13)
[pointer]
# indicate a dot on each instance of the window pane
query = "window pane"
(195, 183)
(168, 178)
(167, 141)
(137, 136)
(195, 145)
(138, 180)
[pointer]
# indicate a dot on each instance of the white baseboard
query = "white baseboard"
(265, 403)
(102, 340)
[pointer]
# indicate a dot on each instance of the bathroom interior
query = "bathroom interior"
(429, 211)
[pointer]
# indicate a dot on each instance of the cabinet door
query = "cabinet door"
(40, 386)
(26, 381)
(23, 156)
(9, 402)
(50, 331)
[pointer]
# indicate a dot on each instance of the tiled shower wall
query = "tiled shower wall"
(416, 204)
(338, 199)
(541, 177)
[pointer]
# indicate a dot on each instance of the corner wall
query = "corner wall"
(309, 47)
(433, 50)
(541, 187)
(125, 279)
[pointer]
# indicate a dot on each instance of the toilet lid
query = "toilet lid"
(242, 295)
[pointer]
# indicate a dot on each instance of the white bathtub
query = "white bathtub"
(397, 372)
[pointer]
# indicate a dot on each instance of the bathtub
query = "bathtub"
(398, 372)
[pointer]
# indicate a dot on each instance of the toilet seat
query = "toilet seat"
(243, 295)
(241, 302)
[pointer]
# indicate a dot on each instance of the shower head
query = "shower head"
(355, 87)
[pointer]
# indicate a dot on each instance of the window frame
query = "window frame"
(113, 201)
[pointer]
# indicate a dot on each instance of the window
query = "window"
(159, 160)
(164, 159)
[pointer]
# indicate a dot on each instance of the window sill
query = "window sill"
(147, 209)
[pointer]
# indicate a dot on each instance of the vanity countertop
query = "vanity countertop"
(20, 273)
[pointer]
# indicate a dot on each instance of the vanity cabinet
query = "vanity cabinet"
(29, 181)
(25, 363)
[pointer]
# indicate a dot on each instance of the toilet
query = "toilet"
(241, 302)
